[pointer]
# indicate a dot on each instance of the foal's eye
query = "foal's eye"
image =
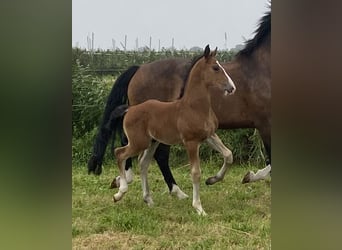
(216, 68)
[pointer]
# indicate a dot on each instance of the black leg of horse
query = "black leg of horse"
(162, 157)
(265, 134)
(268, 151)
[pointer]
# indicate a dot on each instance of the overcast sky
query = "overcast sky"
(189, 22)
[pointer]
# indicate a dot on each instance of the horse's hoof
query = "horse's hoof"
(115, 199)
(181, 195)
(178, 192)
(247, 178)
(98, 170)
(149, 201)
(211, 180)
(201, 212)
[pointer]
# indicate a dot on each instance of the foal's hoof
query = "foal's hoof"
(211, 180)
(116, 199)
(115, 183)
(201, 212)
(149, 201)
(247, 178)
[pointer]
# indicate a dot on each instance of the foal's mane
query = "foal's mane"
(263, 30)
(192, 64)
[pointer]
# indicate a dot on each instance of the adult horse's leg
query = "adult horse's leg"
(193, 154)
(117, 97)
(144, 162)
(215, 142)
(262, 174)
(162, 157)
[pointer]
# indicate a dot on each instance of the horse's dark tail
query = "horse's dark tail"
(117, 97)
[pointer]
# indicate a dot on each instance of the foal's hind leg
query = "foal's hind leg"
(215, 142)
(121, 157)
(144, 162)
(122, 154)
(128, 166)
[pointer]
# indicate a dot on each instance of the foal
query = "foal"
(189, 120)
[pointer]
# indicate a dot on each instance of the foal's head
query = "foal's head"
(214, 74)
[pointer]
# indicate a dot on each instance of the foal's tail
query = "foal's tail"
(118, 112)
(117, 97)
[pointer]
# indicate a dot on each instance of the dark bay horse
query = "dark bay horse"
(189, 120)
(249, 107)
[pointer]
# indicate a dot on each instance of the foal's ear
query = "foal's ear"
(214, 52)
(206, 52)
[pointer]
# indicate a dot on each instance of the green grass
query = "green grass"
(239, 216)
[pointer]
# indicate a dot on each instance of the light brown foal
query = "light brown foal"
(189, 120)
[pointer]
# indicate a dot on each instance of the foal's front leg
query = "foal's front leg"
(193, 154)
(215, 142)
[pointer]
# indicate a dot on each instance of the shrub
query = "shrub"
(88, 100)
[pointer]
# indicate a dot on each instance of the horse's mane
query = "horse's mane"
(192, 63)
(261, 33)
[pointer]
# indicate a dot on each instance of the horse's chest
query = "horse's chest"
(198, 128)
(208, 127)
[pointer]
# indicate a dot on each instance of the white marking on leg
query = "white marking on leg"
(196, 202)
(144, 163)
(230, 81)
(196, 177)
(129, 175)
(117, 181)
(117, 178)
(261, 174)
(122, 189)
(178, 192)
(123, 185)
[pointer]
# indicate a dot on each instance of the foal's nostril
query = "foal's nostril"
(231, 90)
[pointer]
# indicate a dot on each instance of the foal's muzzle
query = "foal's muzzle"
(229, 90)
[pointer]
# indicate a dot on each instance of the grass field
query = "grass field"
(239, 216)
